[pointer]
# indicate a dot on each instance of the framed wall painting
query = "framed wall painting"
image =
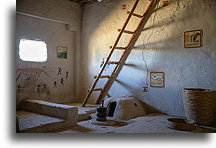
(62, 52)
(157, 79)
(193, 39)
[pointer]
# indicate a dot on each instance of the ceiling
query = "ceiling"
(85, 1)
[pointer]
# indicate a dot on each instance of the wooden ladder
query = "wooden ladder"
(119, 64)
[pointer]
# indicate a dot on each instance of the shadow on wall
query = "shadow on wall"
(94, 26)
(158, 28)
(166, 34)
(163, 32)
(93, 29)
(163, 44)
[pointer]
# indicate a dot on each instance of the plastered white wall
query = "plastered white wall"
(54, 34)
(160, 48)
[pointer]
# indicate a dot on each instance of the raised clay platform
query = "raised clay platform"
(29, 122)
(66, 112)
(41, 116)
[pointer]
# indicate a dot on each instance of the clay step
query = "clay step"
(84, 112)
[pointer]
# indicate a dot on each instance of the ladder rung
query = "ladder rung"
(96, 89)
(113, 62)
(126, 31)
(104, 76)
(121, 48)
(135, 14)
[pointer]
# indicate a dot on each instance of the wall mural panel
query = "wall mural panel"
(28, 78)
(32, 75)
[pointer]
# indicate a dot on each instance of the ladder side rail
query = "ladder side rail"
(132, 37)
(111, 52)
(117, 40)
(146, 15)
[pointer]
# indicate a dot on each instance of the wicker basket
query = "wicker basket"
(200, 105)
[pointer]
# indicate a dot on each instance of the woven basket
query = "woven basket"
(200, 105)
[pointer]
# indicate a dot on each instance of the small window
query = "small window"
(32, 50)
